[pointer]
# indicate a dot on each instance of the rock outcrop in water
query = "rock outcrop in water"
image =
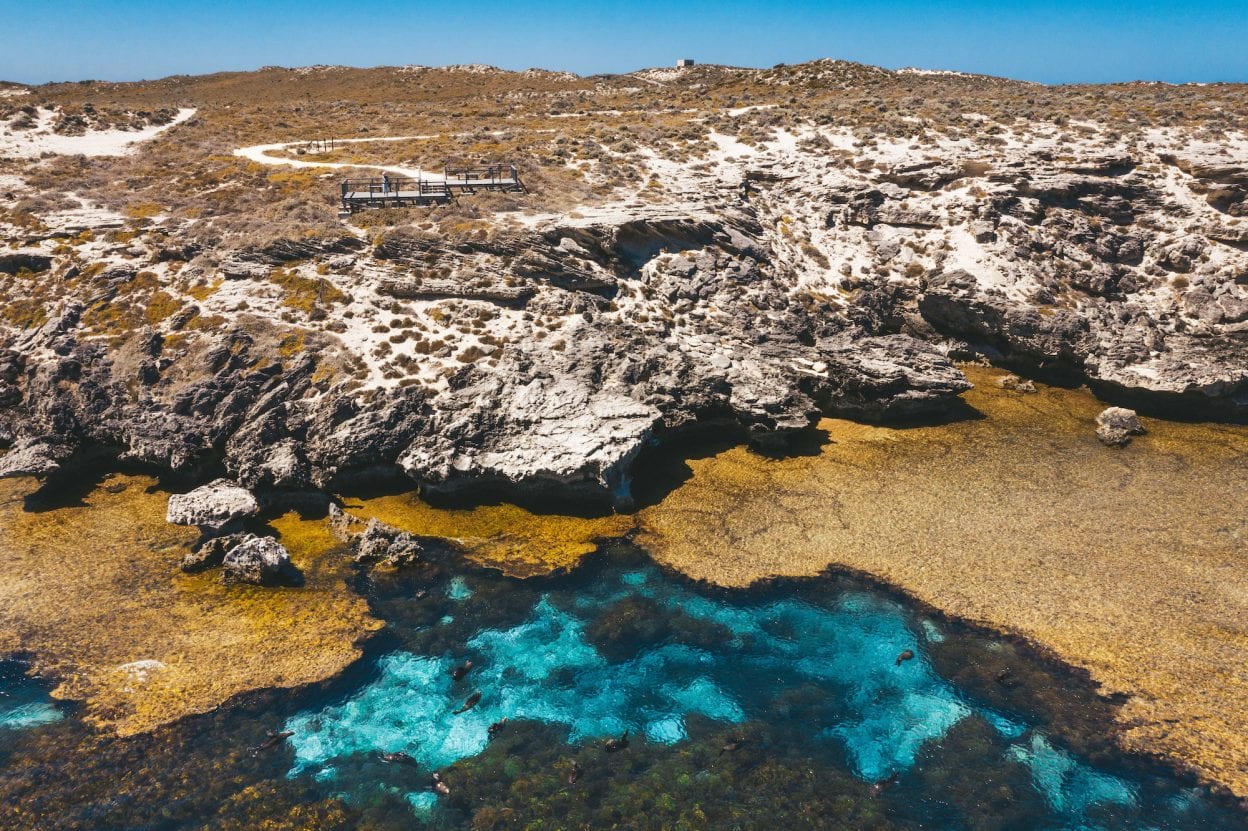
(213, 507)
(261, 561)
(1116, 425)
(377, 543)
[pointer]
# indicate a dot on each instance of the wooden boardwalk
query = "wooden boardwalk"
(395, 191)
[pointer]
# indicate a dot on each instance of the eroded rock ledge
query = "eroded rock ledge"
(565, 422)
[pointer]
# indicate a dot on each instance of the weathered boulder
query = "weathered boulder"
(213, 507)
(34, 458)
(211, 552)
(1116, 425)
(537, 433)
(385, 545)
(262, 561)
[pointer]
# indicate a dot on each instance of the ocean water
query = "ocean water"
(840, 677)
(822, 703)
(24, 701)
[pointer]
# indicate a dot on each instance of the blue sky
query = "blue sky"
(1057, 41)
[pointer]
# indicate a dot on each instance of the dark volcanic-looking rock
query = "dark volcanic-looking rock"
(13, 263)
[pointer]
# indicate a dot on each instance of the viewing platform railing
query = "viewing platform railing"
(395, 191)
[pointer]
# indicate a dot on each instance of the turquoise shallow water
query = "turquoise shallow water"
(24, 701)
(780, 707)
(630, 651)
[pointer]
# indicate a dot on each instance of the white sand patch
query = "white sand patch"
(260, 154)
(474, 68)
(969, 256)
(320, 67)
(735, 111)
(659, 76)
(914, 70)
(729, 147)
(785, 143)
(33, 143)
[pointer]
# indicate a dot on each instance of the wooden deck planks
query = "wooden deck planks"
(375, 193)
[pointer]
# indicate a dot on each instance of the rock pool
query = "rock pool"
(815, 703)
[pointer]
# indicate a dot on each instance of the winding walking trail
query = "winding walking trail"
(259, 153)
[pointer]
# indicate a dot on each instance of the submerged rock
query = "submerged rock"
(375, 542)
(1116, 425)
(213, 507)
(211, 552)
(1015, 384)
(343, 525)
(262, 561)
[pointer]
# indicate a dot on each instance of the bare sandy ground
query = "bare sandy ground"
(33, 143)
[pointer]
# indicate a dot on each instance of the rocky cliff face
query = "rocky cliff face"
(756, 282)
(566, 418)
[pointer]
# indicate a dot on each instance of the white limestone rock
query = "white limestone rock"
(1116, 425)
(212, 507)
(258, 560)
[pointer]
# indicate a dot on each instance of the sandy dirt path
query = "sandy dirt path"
(259, 154)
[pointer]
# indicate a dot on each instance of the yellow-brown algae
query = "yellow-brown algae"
(1128, 562)
(514, 540)
(94, 593)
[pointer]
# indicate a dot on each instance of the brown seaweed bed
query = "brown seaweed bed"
(784, 705)
(93, 593)
(1124, 563)
(1131, 564)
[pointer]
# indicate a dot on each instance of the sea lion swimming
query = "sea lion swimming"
(497, 727)
(884, 784)
(439, 786)
(272, 741)
(421, 594)
(470, 702)
(905, 655)
(575, 773)
(612, 745)
(460, 671)
(732, 745)
(398, 758)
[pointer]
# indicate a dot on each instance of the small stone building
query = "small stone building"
(684, 63)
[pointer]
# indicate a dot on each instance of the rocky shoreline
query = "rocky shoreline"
(740, 271)
(564, 427)
(765, 363)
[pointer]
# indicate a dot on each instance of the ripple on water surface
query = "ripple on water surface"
(24, 701)
(628, 650)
